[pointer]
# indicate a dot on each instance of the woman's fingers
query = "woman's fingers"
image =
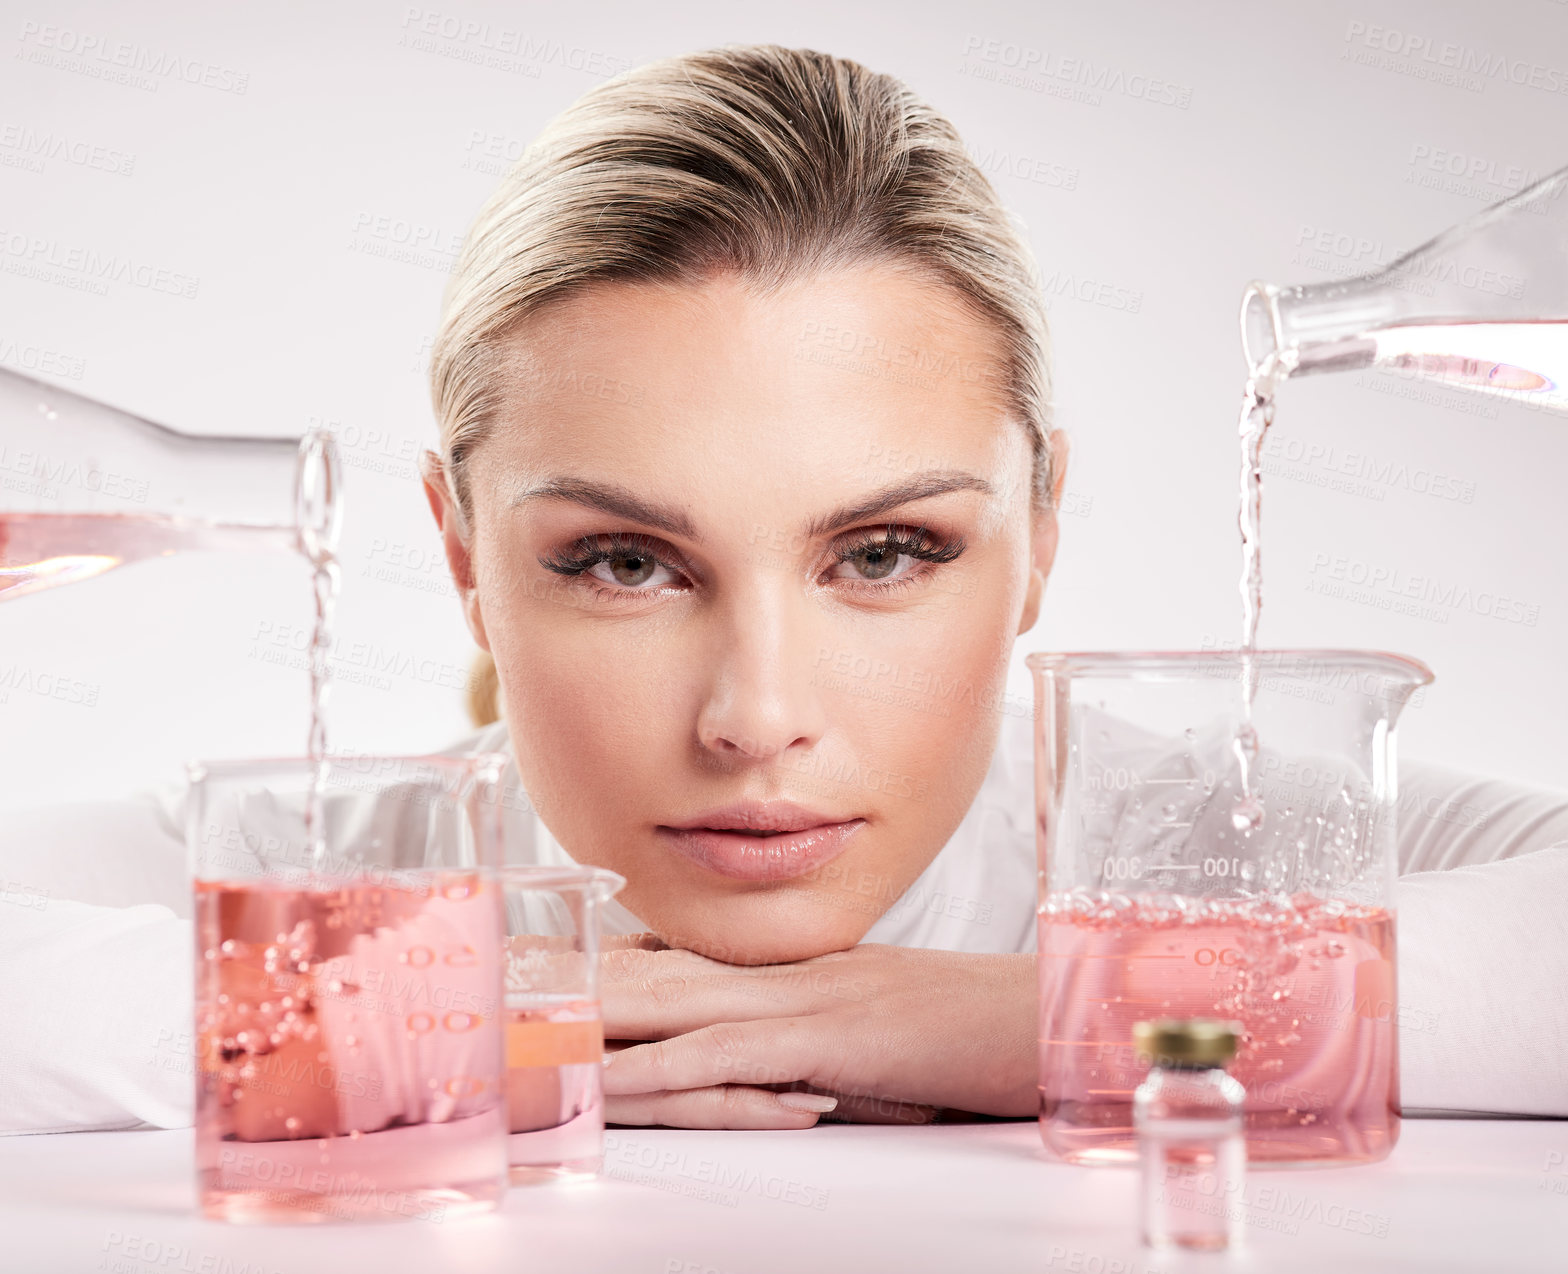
(656, 994)
(777, 1051)
(720, 1106)
(632, 941)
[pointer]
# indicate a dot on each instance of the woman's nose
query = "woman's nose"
(759, 697)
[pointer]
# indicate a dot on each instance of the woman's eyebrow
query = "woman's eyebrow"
(622, 502)
(612, 499)
(918, 486)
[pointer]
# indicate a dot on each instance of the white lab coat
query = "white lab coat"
(96, 943)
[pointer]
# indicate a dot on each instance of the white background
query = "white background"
(350, 118)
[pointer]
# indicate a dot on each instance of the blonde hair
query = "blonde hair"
(766, 161)
(484, 690)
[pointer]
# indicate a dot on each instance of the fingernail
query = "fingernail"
(815, 1103)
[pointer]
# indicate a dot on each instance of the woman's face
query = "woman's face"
(753, 564)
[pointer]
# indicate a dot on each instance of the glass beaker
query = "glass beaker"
(85, 487)
(1483, 305)
(348, 1028)
(554, 1030)
(1157, 900)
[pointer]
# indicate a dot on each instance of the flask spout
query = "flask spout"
(1318, 327)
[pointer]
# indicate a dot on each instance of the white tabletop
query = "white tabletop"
(1472, 1195)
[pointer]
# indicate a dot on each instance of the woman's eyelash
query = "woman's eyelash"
(914, 542)
(603, 548)
(918, 543)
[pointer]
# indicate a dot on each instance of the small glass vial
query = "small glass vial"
(1188, 1117)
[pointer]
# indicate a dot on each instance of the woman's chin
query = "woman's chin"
(772, 930)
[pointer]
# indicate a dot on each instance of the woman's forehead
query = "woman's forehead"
(868, 366)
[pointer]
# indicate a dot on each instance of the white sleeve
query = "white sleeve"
(96, 1003)
(111, 853)
(1483, 944)
(1448, 818)
(95, 967)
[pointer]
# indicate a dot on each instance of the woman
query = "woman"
(746, 482)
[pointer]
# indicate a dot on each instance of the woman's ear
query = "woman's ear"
(1045, 533)
(454, 540)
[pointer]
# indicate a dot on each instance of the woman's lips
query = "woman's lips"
(747, 856)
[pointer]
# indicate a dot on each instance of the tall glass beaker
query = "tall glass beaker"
(554, 1027)
(1156, 900)
(348, 981)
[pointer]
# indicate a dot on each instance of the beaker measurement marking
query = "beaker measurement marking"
(1087, 1043)
(1176, 867)
(1075, 955)
(1185, 780)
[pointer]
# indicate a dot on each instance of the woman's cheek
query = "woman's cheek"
(605, 715)
(921, 689)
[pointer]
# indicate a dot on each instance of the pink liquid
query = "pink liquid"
(1311, 981)
(1525, 360)
(555, 1093)
(349, 1049)
(45, 550)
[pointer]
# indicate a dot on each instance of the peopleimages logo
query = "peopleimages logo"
(33, 148)
(1420, 56)
(501, 48)
(53, 261)
(1461, 173)
(1357, 253)
(122, 61)
(36, 358)
(1296, 459)
(1422, 596)
(1061, 75)
(47, 474)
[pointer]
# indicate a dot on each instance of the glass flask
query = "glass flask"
(85, 487)
(554, 1029)
(1156, 901)
(349, 1029)
(1483, 305)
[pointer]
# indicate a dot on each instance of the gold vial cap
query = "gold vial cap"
(1187, 1041)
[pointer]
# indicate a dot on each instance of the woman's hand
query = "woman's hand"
(893, 1033)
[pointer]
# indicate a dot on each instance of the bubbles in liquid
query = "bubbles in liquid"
(1247, 814)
